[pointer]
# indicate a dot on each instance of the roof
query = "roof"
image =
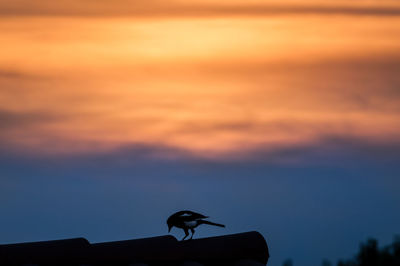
(248, 248)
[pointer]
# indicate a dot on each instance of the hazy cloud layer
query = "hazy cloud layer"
(208, 87)
(155, 8)
(354, 99)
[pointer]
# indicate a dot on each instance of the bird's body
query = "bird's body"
(188, 220)
(191, 224)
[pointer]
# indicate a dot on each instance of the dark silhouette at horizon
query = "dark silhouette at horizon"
(188, 220)
(370, 254)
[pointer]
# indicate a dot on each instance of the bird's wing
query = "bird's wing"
(191, 215)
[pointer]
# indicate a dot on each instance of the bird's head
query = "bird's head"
(170, 225)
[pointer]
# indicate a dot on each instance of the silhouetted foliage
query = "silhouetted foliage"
(326, 262)
(288, 262)
(370, 254)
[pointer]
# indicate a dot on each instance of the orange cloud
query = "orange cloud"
(158, 8)
(210, 86)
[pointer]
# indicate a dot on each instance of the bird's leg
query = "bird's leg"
(192, 230)
(186, 234)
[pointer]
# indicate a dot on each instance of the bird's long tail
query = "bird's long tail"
(211, 223)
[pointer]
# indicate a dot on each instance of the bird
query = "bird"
(188, 220)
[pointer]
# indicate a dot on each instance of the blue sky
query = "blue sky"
(320, 208)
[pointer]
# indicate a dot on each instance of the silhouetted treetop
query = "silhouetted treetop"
(370, 254)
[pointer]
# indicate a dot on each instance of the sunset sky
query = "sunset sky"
(276, 116)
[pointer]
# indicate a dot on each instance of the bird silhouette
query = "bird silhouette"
(188, 220)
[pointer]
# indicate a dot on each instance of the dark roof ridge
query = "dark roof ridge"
(159, 250)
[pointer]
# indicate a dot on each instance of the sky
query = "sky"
(276, 116)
